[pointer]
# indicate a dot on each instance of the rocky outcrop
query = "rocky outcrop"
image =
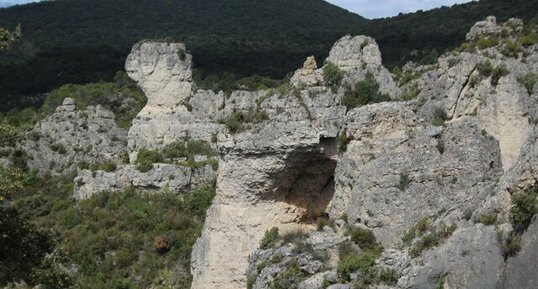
(172, 178)
(70, 137)
(399, 168)
(421, 174)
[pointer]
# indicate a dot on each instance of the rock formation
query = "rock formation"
(431, 173)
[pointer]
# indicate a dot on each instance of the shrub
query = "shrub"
(59, 148)
(289, 278)
(529, 81)
(496, 72)
(352, 263)
(488, 219)
(321, 222)
(237, 122)
(365, 239)
(364, 92)
(438, 117)
(524, 207)
(388, 276)
(512, 246)
(404, 181)
(146, 158)
(270, 239)
(342, 141)
(486, 42)
(511, 49)
(332, 75)
(527, 40)
(411, 93)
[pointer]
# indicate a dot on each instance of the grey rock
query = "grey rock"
(174, 178)
(521, 269)
(69, 137)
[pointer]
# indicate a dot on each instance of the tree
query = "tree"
(7, 38)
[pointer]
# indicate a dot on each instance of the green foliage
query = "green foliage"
(511, 246)
(365, 239)
(440, 284)
(529, 80)
(438, 117)
(244, 42)
(332, 76)
(388, 276)
(59, 148)
(486, 42)
(289, 278)
(133, 239)
(496, 72)
(146, 158)
(524, 207)
(364, 92)
(342, 141)
(241, 121)
(351, 263)
(107, 167)
(270, 239)
(7, 38)
(511, 49)
(22, 246)
(122, 97)
(322, 222)
(488, 219)
(411, 92)
(420, 227)
(403, 185)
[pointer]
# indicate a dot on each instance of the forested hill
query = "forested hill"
(80, 41)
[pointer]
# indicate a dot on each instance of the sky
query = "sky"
(385, 8)
(366, 8)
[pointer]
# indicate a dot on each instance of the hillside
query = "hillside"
(81, 41)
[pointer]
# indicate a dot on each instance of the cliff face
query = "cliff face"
(431, 171)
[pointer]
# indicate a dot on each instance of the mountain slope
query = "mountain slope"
(80, 41)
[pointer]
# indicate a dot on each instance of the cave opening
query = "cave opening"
(307, 183)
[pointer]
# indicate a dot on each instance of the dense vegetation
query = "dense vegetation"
(114, 240)
(82, 41)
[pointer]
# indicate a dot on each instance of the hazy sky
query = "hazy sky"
(385, 8)
(366, 8)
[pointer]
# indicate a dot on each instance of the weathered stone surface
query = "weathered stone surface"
(163, 71)
(521, 270)
(173, 178)
(471, 258)
(69, 137)
(448, 168)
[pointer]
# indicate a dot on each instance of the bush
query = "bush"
(411, 93)
(524, 207)
(270, 239)
(486, 42)
(289, 278)
(511, 49)
(438, 117)
(238, 121)
(146, 158)
(487, 219)
(512, 246)
(496, 72)
(403, 185)
(342, 142)
(59, 148)
(364, 92)
(365, 239)
(332, 75)
(351, 263)
(529, 81)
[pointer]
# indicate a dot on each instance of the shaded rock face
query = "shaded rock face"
(70, 136)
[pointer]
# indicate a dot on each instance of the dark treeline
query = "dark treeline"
(81, 41)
